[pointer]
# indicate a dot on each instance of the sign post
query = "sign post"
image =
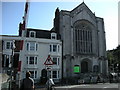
(48, 65)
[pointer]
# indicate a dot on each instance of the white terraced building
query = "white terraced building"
(31, 53)
(37, 46)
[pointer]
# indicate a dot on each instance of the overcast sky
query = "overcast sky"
(41, 15)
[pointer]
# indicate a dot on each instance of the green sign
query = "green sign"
(76, 69)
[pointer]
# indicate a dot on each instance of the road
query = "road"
(101, 86)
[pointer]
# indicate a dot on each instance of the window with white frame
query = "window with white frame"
(54, 48)
(58, 48)
(56, 60)
(6, 60)
(50, 48)
(33, 74)
(32, 46)
(32, 34)
(53, 35)
(54, 74)
(8, 45)
(31, 60)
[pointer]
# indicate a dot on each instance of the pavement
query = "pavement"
(3, 80)
(99, 86)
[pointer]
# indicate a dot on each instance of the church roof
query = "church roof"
(80, 8)
(82, 5)
(40, 33)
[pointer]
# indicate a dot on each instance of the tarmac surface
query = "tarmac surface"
(99, 86)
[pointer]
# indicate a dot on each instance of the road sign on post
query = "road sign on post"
(48, 64)
(48, 61)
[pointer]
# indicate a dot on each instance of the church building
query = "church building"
(84, 42)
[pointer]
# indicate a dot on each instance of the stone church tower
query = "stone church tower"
(84, 43)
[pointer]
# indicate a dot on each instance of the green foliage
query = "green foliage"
(110, 57)
(116, 54)
(113, 57)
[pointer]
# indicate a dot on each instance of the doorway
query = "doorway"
(43, 78)
(84, 67)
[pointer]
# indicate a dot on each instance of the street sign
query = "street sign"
(48, 68)
(48, 61)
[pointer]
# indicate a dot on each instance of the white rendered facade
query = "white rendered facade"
(34, 54)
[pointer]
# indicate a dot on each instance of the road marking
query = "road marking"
(102, 86)
(72, 86)
(105, 87)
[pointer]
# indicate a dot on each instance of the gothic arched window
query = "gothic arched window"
(82, 38)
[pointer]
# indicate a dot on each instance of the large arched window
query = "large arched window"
(82, 37)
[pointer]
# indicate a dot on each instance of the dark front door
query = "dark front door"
(43, 77)
(44, 73)
(84, 67)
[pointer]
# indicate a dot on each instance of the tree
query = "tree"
(110, 57)
(116, 54)
(114, 58)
